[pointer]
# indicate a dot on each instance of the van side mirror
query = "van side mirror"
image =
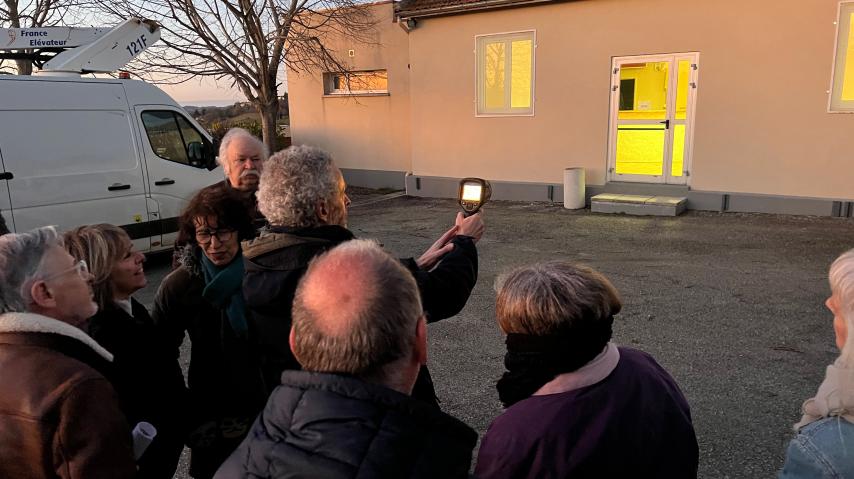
(200, 155)
(195, 153)
(214, 152)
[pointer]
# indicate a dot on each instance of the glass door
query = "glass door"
(652, 99)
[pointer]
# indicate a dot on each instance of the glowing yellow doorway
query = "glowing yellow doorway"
(652, 117)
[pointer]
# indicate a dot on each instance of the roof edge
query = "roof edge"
(453, 9)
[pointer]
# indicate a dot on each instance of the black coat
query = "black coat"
(275, 262)
(148, 381)
(224, 380)
(331, 426)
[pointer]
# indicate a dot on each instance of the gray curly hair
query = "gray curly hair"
(292, 183)
(20, 263)
(230, 136)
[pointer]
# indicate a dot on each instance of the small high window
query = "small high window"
(505, 74)
(842, 90)
(356, 83)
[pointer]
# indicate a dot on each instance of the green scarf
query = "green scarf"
(223, 289)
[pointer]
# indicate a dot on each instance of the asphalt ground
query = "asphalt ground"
(731, 304)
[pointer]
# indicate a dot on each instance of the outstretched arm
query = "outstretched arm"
(448, 274)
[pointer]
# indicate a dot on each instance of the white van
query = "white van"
(78, 151)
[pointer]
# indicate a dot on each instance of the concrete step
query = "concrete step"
(641, 205)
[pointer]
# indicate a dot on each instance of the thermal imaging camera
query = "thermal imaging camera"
(474, 193)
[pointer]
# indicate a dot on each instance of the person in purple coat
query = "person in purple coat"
(577, 404)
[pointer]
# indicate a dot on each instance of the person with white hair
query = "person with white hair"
(59, 416)
(242, 157)
(303, 196)
(349, 413)
(824, 441)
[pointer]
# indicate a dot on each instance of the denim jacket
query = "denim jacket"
(821, 449)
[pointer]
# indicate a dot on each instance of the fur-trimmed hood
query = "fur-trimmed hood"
(188, 257)
(36, 323)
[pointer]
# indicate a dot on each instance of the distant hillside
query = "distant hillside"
(218, 120)
(238, 112)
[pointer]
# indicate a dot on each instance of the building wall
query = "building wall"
(761, 121)
(361, 132)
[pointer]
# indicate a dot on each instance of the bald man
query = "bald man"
(349, 412)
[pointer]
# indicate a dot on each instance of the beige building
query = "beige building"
(737, 105)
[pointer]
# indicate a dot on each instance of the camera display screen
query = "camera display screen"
(471, 192)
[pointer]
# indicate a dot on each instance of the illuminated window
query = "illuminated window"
(356, 83)
(505, 74)
(842, 91)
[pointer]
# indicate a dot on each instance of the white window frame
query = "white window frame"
(330, 90)
(834, 103)
(479, 40)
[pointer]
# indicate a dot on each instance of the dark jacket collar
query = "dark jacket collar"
(36, 323)
(341, 393)
(295, 245)
(334, 233)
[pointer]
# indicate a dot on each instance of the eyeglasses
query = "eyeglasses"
(204, 237)
(80, 267)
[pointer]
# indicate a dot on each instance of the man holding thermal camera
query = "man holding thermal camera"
(302, 195)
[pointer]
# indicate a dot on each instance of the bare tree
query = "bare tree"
(247, 43)
(37, 13)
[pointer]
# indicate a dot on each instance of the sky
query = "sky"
(203, 91)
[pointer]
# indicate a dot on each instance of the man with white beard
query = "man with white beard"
(242, 158)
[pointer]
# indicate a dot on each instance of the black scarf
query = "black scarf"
(533, 361)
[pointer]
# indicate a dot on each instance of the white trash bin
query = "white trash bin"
(573, 188)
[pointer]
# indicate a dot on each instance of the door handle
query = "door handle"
(6, 175)
(666, 124)
(165, 181)
(117, 187)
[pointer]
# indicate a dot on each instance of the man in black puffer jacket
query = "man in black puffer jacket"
(349, 413)
(302, 195)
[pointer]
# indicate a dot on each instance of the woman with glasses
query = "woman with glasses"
(203, 297)
(146, 376)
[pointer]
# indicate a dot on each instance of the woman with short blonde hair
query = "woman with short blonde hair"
(147, 377)
(102, 246)
(576, 404)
